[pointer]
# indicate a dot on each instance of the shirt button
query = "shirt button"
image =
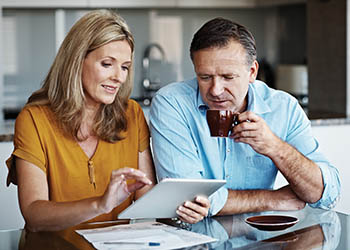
(228, 150)
(227, 176)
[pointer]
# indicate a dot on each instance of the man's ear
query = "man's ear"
(253, 71)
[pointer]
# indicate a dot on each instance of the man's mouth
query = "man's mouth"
(217, 101)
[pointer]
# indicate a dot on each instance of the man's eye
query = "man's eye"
(229, 77)
(204, 77)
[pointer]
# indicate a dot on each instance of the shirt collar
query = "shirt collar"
(256, 103)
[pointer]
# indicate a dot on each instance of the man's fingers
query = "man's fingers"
(188, 215)
(196, 208)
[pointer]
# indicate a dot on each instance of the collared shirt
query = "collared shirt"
(183, 148)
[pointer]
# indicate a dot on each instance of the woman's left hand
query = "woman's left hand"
(194, 211)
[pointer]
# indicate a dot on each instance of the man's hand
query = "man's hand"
(253, 130)
(193, 212)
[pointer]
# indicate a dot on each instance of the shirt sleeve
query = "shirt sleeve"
(301, 137)
(27, 145)
(175, 151)
(143, 130)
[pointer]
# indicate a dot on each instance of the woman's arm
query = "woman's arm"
(41, 214)
(146, 166)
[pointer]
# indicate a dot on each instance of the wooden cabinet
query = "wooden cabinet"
(327, 58)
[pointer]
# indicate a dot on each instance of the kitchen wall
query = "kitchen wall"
(30, 37)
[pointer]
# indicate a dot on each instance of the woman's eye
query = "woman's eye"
(106, 64)
(125, 68)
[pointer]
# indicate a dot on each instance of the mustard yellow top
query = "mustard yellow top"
(39, 140)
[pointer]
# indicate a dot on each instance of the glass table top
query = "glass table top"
(315, 229)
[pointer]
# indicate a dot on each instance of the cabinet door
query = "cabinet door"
(327, 58)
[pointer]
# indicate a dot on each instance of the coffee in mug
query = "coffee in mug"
(221, 122)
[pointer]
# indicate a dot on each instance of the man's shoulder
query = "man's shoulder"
(267, 93)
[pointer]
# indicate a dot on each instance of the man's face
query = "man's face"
(223, 76)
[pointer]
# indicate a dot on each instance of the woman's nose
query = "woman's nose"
(119, 75)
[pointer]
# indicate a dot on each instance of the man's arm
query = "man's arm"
(304, 175)
(245, 201)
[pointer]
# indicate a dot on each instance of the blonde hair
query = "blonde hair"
(62, 88)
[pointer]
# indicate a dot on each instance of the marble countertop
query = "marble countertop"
(7, 127)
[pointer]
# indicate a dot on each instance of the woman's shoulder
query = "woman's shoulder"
(33, 110)
(134, 112)
(133, 106)
(35, 113)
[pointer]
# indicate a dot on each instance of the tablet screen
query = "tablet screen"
(165, 197)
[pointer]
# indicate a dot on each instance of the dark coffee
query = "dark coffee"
(221, 122)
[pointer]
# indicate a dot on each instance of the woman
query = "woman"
(79, 138)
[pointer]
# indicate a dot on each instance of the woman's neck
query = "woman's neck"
(86, 127)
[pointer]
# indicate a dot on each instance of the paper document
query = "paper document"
(143, 235)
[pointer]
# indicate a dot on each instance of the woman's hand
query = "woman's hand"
(118, 190)
(193, 212)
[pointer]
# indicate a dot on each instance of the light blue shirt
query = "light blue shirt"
(183, 148)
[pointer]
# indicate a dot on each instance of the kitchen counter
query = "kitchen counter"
(7, 127)
(6, 130)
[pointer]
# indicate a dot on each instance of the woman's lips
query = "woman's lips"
(110, 88)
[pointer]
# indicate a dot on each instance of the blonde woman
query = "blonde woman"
(80, 137)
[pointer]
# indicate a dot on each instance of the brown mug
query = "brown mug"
(221, 122)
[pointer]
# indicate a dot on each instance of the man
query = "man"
(274, 134)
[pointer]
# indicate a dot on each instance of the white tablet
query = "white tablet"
(165, 197)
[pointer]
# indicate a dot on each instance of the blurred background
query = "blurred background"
(291, 56)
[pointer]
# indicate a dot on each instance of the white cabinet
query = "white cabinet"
(10, 215)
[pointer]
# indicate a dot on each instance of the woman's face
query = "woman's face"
(104, 71)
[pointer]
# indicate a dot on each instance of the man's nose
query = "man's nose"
(217, 87)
